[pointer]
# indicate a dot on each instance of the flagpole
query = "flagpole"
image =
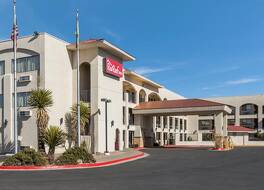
(15, 77)
(78, 78)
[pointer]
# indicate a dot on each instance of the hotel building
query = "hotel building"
(141, 113)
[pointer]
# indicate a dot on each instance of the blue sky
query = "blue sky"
(198, 48)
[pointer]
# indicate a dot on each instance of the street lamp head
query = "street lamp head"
(106, 100)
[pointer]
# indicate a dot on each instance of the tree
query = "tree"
(85, 112)
(53, 136)
(40, 100)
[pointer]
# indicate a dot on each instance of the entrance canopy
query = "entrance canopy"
(181, 107)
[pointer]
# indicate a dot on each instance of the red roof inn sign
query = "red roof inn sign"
(113, 68)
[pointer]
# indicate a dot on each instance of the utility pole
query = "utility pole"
(106, 101)
(78, 78)
(14, 38)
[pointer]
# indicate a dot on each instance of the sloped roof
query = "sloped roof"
(234, 128)
(180, 103)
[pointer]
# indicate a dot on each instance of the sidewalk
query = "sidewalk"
(117, 155)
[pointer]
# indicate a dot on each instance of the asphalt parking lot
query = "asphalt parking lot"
(181, 169)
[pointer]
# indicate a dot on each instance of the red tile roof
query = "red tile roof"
(181, 103)
(234, 128)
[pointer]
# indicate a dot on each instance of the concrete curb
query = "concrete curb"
(79, 166)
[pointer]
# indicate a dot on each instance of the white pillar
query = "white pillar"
(237, 116)
(260, 111)
(225, 132)
(219, 124)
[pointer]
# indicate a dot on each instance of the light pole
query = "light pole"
(106, 101)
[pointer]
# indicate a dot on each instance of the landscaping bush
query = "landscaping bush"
(27, 157)
(74, 155)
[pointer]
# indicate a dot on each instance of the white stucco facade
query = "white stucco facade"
(54, 67)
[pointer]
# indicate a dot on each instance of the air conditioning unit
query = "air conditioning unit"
(25, 113)
(25, 78)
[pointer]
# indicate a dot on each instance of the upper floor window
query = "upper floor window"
(181, 124)
(207, 124)
(185, 124)
(130, 117)
(1, 100)
(26, 64)
(158, 121)
(170, 122)
(249, 123)
(231, 122)
(164, 121)
(124, 115)
(2, 67)
(248, 109)
(153, 97)
(176, 123)
(142, 96)
(22, 99)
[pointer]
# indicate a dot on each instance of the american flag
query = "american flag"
(14, 30)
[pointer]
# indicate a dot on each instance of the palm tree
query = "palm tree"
(85, 112)
(41, 99)
(53, 136)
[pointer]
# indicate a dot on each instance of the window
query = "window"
(207, 124)
(207, 137)
(231, 122)
(181, 137)
(181, 124)
(248, 109)
(158, 121)
(22, 99)
(185, 137)
(131, 96)
(185, 124)
(170, 121)
(124, 115)
(249, 123)
(142, 96)
(164, 121)
(2, 67)
(176, 123)
(158, 135)
(27, 64)
(131, 117)
(1, 100)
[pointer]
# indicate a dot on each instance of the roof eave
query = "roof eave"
(101, 43)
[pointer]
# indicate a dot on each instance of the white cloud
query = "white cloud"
(243, 81)
(235, 82)
(113, 34)
(149, 70)
(225, 69)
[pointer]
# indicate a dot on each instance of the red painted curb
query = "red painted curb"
(187, 146)
(79, 166)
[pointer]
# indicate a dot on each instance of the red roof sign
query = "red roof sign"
(113, 68)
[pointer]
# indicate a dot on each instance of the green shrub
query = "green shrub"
(73, 155)
(27, 157)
